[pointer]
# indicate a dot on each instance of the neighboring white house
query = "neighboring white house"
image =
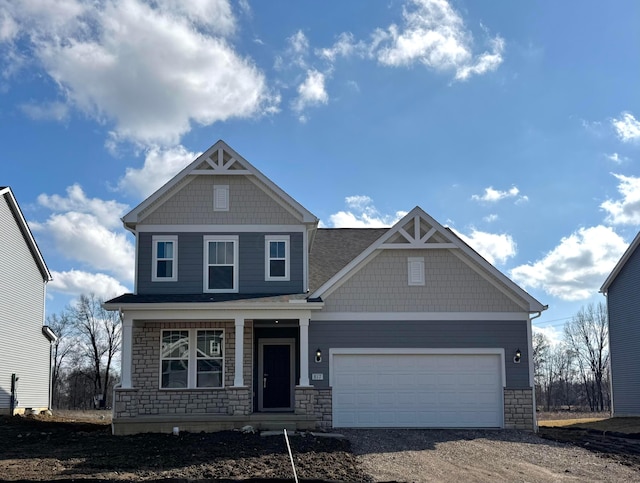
(25, 343)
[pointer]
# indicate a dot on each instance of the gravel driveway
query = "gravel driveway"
(477, 455)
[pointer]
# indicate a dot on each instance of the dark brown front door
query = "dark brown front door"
(277, 380)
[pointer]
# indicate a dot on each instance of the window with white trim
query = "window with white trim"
(221, 197)
(165, 258)
(221, 264)
(276, 263)
(416, 270)
(192, 359)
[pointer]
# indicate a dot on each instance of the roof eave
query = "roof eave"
(620, 265)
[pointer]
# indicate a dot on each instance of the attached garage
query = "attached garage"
(417, 388)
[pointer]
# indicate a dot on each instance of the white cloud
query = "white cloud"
(160, 165)
(152, 70)
(345, 46)
(311, 92)
(108, 212)
(8, 27)
(553, 335)
(87, 230)
(576, 268)
(491, 218)
(627, 127)
(362, 213)
(434, 34)
(77, 282)
(627, 210)
(493, 247)
(616, 158)
(492, 195)
(48, 111)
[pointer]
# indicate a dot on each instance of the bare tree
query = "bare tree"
(62, 326)
(586, 336)
(99, 333)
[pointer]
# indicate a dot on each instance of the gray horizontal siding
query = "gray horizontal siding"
(508, 335)
(191, 265)
(24, 350)
(623, 301)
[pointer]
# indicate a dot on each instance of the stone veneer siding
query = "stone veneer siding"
(316, 403)
(146, 397)
(518, 409)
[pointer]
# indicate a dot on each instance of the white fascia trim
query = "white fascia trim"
(220, 228)
(498, 351)
(180, 314)
(621, 263)
(426, 316)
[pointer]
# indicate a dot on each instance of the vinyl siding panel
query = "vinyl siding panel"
(251, 258)
(24, 350)
(450, 286)
(508, 335)
(193, 205)
(623, 302)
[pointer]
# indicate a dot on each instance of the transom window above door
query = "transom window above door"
(276, 257)
(221, 263)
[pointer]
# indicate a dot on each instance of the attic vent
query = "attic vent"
(221, 197)
(416, 270)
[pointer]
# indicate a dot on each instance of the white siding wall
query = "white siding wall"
(24, 350)
(450, 286)
(193, 205)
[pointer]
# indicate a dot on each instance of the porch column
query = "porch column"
(304, 351)
(127, 343)
(238, 380)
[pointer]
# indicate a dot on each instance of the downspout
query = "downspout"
(531, 368)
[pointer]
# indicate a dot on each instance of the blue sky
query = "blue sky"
(514, 123)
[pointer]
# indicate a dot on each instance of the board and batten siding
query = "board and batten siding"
(251, 260)
(418, 334)
(450, 286)
(193, 205)
(24, 350)
(623, 301)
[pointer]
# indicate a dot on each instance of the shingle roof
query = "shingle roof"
(334, 248)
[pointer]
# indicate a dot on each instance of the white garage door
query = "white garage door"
(417, 390)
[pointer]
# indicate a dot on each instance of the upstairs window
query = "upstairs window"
(416, 270)
(221, 264)
(165, 259)
(192, 359)
(276, 257)
(221, 197)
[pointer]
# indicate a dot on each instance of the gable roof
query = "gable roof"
(333, 248)
(7, 194)
(620, 265)
(418, 230)
(219, 159)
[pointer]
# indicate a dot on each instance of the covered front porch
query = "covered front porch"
(222, 369)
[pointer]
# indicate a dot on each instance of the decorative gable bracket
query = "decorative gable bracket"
(416, 233)
(221, 162)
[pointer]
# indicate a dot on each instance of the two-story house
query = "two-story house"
(25, 343)
(245, 312)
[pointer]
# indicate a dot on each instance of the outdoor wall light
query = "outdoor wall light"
(318, 355)
(517, 357)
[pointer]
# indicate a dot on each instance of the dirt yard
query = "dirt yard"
(77, 447)
(73, 446)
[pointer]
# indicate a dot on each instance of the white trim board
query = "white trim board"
(220, 229)
(426, 316)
